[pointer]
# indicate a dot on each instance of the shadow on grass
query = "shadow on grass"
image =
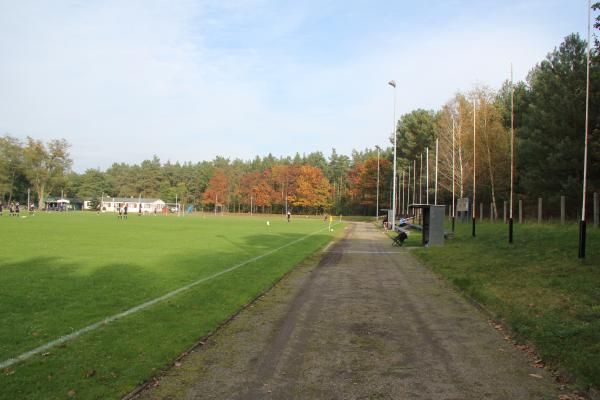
(46, 297)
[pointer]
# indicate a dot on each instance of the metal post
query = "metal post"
(414, 183)
(421, 180)
(474, 169)
(539, 210)
(520, 211)
(453, 201)
(393, 84)
(377, 202)
(512, 159)
(585, 150)
(427, 179)
(402, 208)
(408, 191)
(562, 210)
(436, 172)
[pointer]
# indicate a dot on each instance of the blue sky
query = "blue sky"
(189, 80)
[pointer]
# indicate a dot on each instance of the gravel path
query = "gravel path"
(368, 322)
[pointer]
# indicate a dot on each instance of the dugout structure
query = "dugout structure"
(433, 224)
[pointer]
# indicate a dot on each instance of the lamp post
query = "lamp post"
(377, 201)
(392, 83)
(582, 227)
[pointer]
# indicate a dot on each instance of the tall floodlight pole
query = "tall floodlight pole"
(436, 171)
(453, 201)
(582, 226)
(377, 202)
(392, 83)
(427, 173)
(512, 155)
(474, 169)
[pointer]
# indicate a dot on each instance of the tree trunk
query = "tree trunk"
(40, 192)
(492, 184)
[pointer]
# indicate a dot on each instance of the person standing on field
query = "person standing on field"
(289, 215)
(1, 208)
(125, 210)
(120, 208)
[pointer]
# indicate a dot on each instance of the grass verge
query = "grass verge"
(537, 286)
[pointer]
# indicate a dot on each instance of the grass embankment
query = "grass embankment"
(537, 286)
(62, 272)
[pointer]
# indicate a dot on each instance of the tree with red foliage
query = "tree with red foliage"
(256, 188)
(217, 191)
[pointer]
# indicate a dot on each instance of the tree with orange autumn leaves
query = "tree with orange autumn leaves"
(305, 187)
(363, 186)
(217, 191)
(257, 188)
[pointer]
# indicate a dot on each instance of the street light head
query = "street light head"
(392, 83)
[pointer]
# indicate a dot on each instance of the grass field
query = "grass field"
(62, 272)
(537, 286)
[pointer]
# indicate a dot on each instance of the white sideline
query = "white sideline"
(363, 252)
(66, 338)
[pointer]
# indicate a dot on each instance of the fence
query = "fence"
(539, 210)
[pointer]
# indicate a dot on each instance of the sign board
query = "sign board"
(462, 204)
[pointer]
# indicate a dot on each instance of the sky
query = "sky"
(122, 81)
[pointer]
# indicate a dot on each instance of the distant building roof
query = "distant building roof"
(132, 200)
(54, 199)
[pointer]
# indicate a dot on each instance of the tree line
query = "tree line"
(549, 122)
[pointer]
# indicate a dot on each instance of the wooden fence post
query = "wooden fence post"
(491, 212)
(539, 210)
(562, 210)
(481, 211)
(504, 212)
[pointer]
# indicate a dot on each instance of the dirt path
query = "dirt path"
(369, 322)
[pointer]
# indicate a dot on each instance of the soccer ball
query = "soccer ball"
(268, 223)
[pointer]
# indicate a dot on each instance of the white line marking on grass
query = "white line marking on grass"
(66, 338)
(364, 252)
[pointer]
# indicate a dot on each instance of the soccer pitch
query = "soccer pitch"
(60, 273)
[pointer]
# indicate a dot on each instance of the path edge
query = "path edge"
(317, 255)
(555, 371)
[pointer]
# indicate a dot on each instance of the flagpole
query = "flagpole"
(436, 171)
(453, 193)
(582, 227)
(512, 154)
(473, 208)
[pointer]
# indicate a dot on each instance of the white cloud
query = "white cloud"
(122, 81)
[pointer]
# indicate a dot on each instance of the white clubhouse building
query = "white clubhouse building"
(134, 204)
